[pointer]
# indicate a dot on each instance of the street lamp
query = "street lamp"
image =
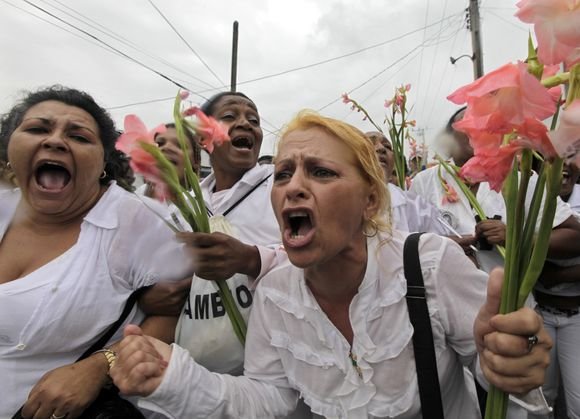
(454, 60)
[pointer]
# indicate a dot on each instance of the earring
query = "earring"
(103, 175)
(374, 227)
(8, 165)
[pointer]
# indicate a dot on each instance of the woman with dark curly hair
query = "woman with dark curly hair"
(73, 247)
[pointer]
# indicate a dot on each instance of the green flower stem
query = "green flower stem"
(510, 285)
(532, 219)
(556, 80)
(238, 322)
(524, 173)
(553, 182)
(366, 114)
(497, 399)
(468, 194)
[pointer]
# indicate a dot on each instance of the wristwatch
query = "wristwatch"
(110, 355)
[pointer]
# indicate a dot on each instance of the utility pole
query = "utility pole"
(234, 57)
(475, 29)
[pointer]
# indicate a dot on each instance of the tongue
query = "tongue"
(305, 227)
(53, 179)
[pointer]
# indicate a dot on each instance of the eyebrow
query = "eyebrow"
(50, 122)
(237, 102)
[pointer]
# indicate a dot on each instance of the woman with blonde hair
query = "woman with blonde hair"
(332, 324)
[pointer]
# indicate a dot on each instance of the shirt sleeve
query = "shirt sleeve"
(144, 250)
(189, 390)
(459, 290)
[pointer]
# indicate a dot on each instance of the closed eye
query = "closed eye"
(80, 138)
(36, 129)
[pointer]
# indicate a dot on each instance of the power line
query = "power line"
(421, 45)
(422, 51)
(145, 102)
(318, 63)
(506, 21)
(108, 32)
(181, 86)
(432, 66)
(185, 42)
(60, 27)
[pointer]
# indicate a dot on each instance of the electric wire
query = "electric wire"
(108, 32)
(349, 54)
(185, 41)
(169, 79)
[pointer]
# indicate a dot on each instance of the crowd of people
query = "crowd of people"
(315, 246)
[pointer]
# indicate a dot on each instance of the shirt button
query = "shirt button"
(21, 346)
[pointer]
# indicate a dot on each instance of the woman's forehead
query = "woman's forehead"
(313, 142)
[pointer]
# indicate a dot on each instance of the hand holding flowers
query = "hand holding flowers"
(148, 160)
(503, 120)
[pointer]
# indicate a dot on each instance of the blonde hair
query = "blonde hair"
(363, 152)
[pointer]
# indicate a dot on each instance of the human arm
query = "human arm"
(219, 256)
(165, 298)
(185, 389)
(565, 239)
(502, 343)
(553, 274)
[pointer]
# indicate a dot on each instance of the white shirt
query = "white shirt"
(412, 213)
(574, 199)
(293, 349)
(459, 215)
(68, 303)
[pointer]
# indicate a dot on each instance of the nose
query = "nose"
(296, 188)
(242, 122)
(55, 141)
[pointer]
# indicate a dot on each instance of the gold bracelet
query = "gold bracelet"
(110, 355)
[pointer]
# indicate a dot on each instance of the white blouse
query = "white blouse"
(49, 317)
(293, 349)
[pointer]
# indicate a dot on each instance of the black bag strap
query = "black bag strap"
(423, 346)
(239, 201)
(100, 344)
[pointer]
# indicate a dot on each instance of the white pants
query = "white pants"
(564, 360)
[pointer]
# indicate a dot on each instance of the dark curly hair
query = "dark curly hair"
(107, 132)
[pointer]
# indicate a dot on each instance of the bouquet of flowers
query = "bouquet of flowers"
(397, 122)
(148, 160)
(503, 120)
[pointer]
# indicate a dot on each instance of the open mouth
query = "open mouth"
(52, 176)
(243, 142)
(300, 224)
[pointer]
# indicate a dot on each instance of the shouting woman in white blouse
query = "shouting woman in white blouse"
(74, 246)
(332, 324)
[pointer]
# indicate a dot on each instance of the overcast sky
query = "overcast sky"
(275, 36)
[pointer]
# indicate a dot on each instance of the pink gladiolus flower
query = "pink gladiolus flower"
(450, 194)
(399, 100)
(345, 98)
(135, 131)
(408, 87)
(388, 103)
(142, 162)
(556, 27)
(566, 138)
(492, 168)
(503, 99)
(211, 131)
(183, 94)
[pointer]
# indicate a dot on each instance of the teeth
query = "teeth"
(296, 214)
